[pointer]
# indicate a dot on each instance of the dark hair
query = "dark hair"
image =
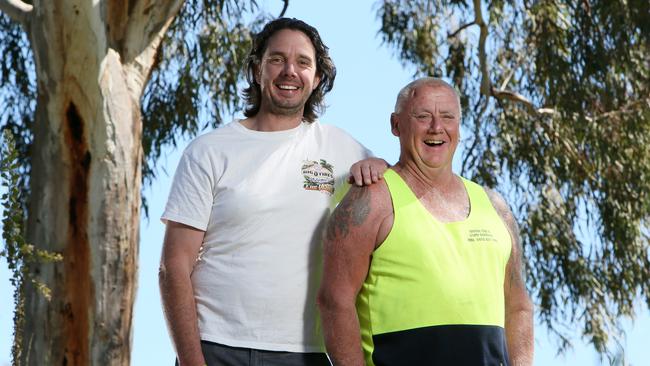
(325, 68)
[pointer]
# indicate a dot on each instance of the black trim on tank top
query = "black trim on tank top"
(472, 345)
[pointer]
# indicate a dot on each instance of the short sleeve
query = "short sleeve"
(191, 196)
(349, 151)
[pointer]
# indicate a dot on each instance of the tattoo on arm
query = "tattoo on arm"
(354, 209)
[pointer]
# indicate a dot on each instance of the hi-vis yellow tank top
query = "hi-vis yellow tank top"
(434, 292)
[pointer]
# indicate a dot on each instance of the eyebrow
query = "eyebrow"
(441, 113)
(275, 53)
(280, 53)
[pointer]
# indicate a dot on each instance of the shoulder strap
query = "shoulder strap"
(400, 193)
(479, 200)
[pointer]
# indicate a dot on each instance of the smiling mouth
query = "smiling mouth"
(287, 87)
(434, 142)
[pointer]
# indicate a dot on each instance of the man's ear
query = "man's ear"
(256, 72)
(394, 124)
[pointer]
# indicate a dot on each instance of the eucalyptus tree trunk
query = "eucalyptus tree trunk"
(92, 60)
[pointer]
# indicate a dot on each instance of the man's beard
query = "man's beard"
(287, 108)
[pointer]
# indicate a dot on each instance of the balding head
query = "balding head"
(411, 88)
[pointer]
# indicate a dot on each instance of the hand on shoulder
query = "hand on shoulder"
(367, 171)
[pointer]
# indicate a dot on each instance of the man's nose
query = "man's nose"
(289, 69)
(436, 124)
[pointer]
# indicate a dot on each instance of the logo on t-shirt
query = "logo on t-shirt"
(319, 176)
(481, 236)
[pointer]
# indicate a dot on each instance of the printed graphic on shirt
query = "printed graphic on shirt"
(319, 176)
(481, 236)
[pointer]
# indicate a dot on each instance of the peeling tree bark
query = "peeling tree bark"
(92, 63)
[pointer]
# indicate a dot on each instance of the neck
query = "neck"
(266, 122)
(423, 180)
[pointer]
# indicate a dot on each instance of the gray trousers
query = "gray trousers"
(221, 355)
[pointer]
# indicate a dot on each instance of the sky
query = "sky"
(369, 77)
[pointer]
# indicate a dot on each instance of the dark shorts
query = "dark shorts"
(221, 355)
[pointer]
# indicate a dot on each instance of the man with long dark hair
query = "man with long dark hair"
(241, 257)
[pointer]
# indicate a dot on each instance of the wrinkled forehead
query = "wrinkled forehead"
(442, 94)
(287, 39)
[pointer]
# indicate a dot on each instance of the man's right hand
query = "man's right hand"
(367, 171)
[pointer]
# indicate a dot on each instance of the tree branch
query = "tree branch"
(516, 97)
(138, 39)
(486, 85)
(629, 107)
(17, 10)
(470, 161)
(147, 22)
(511, 95)
(482, 55)
(284, 8)
(460, 29)
(512, 72)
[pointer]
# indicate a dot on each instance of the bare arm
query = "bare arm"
(180, 250)
(519, 308)
(367, 171)
(357, 225)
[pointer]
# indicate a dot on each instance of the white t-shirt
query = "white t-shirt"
(262, 199)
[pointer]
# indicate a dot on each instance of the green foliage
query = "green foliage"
(18, 253)
(563, 124)
(17, 92)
